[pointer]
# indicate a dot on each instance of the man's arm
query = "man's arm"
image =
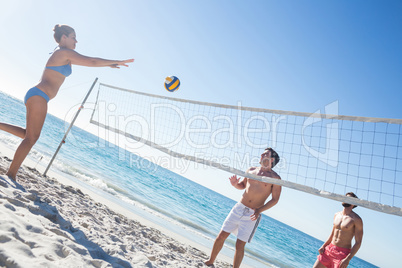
(329, 240)
(236, 183)
(276, 193)
(358, 242)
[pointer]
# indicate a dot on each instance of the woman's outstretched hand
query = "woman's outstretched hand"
(121, 63)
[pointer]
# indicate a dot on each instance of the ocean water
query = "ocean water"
(158, 194)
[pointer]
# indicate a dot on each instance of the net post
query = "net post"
(69, 128)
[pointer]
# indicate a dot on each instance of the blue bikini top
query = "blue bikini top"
(64, 69)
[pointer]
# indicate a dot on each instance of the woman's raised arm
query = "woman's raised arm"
(78, 59)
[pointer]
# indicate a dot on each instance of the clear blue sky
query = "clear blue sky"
(286, 55)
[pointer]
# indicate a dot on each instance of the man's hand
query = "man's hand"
(321, 250)
(255, 215)
(234, 180)
(344, 263)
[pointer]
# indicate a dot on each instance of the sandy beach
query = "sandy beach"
(47, 223)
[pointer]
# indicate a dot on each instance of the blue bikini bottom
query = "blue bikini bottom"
(35, 92)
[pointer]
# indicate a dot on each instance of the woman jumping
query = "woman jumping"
(58, 67)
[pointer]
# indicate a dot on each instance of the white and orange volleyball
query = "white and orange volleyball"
(172, 83)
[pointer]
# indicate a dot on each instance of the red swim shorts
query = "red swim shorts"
(333, 255)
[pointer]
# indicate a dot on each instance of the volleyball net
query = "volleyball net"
(322, 153)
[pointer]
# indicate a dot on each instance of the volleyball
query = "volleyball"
(172, 83)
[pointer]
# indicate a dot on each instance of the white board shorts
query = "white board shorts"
(240, 224)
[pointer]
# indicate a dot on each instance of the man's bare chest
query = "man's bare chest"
(258, 186)
(344, 223)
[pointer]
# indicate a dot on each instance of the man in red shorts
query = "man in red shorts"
(337, 251)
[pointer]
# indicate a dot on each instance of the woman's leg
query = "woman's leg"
(17, 131)
(36, 115)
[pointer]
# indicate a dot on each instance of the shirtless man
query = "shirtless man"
(243, 219)
(337, 251)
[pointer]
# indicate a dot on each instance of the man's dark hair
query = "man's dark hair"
(352, 194)
(274, 155)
